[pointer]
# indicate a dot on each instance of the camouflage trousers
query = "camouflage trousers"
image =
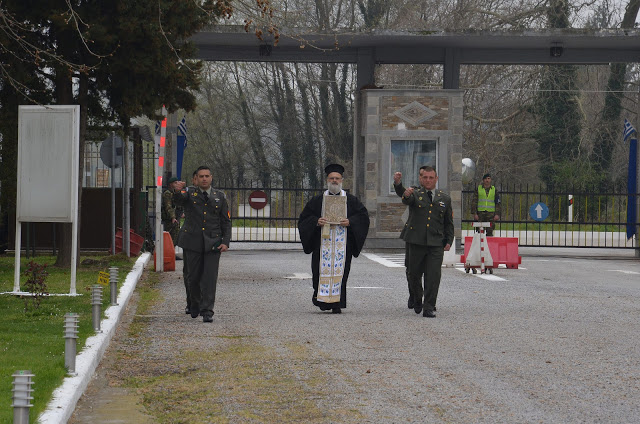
(487, 216)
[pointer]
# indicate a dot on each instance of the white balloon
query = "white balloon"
(468, 170)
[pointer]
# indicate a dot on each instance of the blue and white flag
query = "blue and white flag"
(628, 129)
(632, 176)
(182, 128)
(181, 144)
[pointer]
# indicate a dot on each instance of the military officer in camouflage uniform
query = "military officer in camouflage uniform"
(205, 235)
(485, 204)
(170, 214)
(428, 233)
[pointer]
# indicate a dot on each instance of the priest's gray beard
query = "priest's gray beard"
(334, 188)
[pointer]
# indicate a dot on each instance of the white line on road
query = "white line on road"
(489, 277)
(624, 271)
(299, 276)
(383, 261)
(363, 287)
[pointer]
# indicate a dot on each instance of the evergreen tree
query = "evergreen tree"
(115, 59)
(558, 121)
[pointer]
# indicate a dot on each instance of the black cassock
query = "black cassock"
(310, 236)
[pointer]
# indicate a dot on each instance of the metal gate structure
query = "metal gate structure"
(277, 222)
(592, 218)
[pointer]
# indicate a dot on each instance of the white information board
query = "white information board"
(48, 166)
(48, 143)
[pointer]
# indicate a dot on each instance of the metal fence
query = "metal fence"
(277, 221)
(577, 217)
(97, 174)
(594, 218)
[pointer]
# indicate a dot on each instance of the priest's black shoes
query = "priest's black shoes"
(187, 310)
(417, 308)
(336, 311)
(207, 318)
(194, 314)
(410, 304)
(428, 313)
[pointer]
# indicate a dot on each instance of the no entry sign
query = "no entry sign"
(258, 199)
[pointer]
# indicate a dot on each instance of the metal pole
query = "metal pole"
(570, 209)
(113, 193)
(96, 304)
(16, 259)
(22, 396)
(113, 284)
(126, 217)
(70, 342)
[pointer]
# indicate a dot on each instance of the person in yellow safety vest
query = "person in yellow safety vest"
(486, 204)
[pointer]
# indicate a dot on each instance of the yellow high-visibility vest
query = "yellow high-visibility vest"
(486, 202)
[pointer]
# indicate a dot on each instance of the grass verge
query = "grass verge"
(33, 339)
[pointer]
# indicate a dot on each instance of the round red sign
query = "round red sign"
(258, 199)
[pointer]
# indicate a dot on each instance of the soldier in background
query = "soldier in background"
(170, 213)
(485, 204)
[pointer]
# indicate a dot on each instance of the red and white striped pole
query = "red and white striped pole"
(482, 270)
(481, 226)
(159, 172)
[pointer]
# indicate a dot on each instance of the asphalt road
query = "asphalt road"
(553, 341)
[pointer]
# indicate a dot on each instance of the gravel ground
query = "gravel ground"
(554, 341)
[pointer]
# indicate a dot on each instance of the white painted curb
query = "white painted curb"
(65, 397)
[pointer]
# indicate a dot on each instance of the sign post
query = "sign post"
(539, 211)
(258, 199)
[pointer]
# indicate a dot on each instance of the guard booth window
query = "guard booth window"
(407, 156)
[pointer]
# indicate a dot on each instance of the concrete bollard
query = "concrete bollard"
(96, 302)
(22, 396)
(70, 343)
(113, 284)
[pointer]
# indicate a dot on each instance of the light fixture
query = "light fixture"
(556, 50)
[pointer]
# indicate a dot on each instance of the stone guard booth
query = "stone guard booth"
(402, 130)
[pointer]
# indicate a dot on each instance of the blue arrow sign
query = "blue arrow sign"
(539, 211)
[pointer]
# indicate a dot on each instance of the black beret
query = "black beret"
(486, 175)
(334, 167)
(172, 180)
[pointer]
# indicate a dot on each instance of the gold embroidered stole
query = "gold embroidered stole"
(332, 257)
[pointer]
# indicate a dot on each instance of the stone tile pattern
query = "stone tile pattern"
(390, 217)
(394, 108)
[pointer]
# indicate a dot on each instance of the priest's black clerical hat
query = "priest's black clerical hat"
(334, 167)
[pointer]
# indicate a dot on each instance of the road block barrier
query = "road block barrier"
(504, 250)
(169, 256)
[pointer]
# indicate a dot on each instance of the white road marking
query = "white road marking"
(397, 261)
(624, 271)
(489, 277)
(363, 287)
(386, 262)
(299, 276)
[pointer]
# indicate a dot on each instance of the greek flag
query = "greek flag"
(182, 129)
(628, 129)
(632, 178)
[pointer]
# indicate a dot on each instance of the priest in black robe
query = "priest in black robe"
(332, 252)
